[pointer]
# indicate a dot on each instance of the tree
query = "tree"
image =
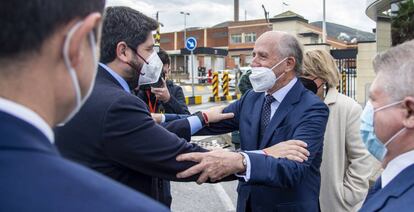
(403, 23)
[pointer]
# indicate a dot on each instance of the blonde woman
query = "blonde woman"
(346, 164)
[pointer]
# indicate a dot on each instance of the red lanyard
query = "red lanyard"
(150, 105)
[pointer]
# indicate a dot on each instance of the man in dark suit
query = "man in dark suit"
(50, 45)
(114, 133)
(387, 129)
(279, 109)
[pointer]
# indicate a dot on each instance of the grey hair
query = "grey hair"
(396, 67)
(289, 46)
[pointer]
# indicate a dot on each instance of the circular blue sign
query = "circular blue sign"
(191, 44)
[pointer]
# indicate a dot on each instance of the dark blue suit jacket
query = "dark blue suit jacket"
(279, 184)
(114, 134)
(396, 196)
(34, 177)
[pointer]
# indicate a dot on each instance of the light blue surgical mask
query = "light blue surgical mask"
(377, 148)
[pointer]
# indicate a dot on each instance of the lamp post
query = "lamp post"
(185, 35)
(324, 23)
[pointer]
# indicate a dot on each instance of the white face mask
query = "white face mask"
(79, 100)
(263, 78)
(151, 70)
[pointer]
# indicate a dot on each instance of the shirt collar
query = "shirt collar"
(118, 78)
(280, 94)
(27, 115)
(395, 166)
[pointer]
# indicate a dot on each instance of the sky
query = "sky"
(207, 13)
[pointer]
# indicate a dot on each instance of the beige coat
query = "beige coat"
(346, 164)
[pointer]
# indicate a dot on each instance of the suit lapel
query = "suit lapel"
(285, 106)
(401, 183)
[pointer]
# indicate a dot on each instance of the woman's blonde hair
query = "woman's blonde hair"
(321, 64)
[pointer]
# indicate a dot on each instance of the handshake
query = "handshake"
(218, 164)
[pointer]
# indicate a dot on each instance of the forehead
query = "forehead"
(265, 45)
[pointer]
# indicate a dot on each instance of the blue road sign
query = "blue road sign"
(191, 44)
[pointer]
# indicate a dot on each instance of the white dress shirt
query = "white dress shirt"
(396, 166)
(24, 113)
(279, 95)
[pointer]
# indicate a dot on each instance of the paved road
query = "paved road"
(189, 197)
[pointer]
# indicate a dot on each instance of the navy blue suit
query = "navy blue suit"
(279, 184)
(396, 196)
(114, 134)
(34, 177)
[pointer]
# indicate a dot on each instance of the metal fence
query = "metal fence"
(347, 66)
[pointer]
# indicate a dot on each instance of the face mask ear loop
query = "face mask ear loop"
(136, 52)
(387, 106)
(68, 63)
(393, 137)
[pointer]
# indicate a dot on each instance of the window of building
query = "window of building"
(236, 38)
(250, 37)
(220, 35)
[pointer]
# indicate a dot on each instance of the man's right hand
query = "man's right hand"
(291, 149)
(215, 114)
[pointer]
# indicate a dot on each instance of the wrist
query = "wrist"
(242, 163)
(200, 116)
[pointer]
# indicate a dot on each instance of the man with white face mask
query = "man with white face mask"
(50, 44)
(278, 109)
(114, 133)
(387, 129)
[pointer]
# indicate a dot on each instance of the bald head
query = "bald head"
(282, 44)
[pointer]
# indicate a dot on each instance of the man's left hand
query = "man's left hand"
(215, 114)
(215, 165)
(162, 93)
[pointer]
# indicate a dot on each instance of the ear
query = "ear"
(91, 23)
(408, 103)
(122, 52)
(290, 64)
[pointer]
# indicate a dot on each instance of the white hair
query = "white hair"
(289, 46)
(396, 69)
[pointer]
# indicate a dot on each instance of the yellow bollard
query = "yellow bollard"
(215, 83)
(344, 82)
(225, 83)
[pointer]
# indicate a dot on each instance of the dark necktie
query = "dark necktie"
(266, 110)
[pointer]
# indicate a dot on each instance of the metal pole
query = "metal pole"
(192, 73)
(185, 38)
(324, 23)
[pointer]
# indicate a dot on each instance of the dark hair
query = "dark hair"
(123, 24)
(25, 25)
(164, 57)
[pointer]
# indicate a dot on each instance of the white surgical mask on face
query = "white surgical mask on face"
(151, 70)
(263, 78)
(75, 81)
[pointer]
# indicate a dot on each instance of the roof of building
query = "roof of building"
(287, 16)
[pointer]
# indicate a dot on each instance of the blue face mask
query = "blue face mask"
(372, 143)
